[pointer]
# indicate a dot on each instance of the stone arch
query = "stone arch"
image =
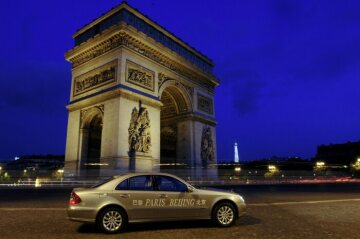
(90, 140)
(179, 90)
(88, 115)
(176, 103)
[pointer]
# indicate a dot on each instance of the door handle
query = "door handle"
(124, 195)
(163, 196)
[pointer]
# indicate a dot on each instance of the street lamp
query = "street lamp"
(60, 170)
(272, 168)
(356, 165)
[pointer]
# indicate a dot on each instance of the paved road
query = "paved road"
(283, 211)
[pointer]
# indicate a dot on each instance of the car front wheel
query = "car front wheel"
(224, 214)
(112, 220)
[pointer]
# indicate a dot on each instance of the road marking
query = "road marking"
(303, 202)
(32, 209)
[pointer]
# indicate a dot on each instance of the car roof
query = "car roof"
(117, 178)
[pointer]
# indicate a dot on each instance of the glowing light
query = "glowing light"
(272, 168)
(96, 164)
(17, 158)
(236, 153)
(37, 183)
(237, 169)
(171, 164)
(320, 164)
(60, 170)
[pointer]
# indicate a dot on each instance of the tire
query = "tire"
(112, 220)
(224, 214)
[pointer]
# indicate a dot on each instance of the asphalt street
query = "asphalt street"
(274, 211)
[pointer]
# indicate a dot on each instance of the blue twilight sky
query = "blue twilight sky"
(289, 70)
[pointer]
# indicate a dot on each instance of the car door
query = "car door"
(180, 203)
(138, 197)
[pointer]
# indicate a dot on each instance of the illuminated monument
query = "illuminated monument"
(140, 98)
(236, 153)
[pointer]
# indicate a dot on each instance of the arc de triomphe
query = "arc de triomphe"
(141, 99)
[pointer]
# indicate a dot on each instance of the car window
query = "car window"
(140, 183)
(123, 185)
(103, 182)
(165, 183)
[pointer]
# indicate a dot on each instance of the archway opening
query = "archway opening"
(91, 138)
(94, 141)
(174, 106)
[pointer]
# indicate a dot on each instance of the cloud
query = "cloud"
(245, 87)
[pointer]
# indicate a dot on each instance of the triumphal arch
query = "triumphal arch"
(140, 98)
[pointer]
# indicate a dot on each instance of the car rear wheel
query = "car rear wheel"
(224, 214)
(112, 220)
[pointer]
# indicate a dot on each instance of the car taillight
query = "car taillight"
(74, 199)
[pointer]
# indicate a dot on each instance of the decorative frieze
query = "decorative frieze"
(100, 76)
(205, 104)
(123, 39)
(139, 75)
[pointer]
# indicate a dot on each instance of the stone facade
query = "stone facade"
(128, 91)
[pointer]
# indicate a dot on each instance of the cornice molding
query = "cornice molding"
(148, 21)
(97, 99)
(106, 42)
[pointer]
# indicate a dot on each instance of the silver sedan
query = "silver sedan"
(142, 197)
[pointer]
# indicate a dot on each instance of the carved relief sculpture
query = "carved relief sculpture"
(205, 104)
(95, 78)
(207, 146)
(139, 131)
(140, 76)
(162, 78)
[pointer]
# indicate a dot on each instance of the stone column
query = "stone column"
(83, 141)
(185, 146)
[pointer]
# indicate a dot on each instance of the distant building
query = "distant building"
(38, 162)
(338, 153)
(236, 152)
